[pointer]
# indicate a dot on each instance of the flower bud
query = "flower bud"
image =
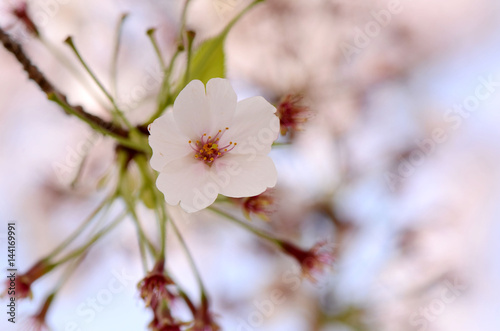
(292, 113)
(22, 14)
(314, 261)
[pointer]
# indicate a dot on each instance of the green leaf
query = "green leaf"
(209, 59)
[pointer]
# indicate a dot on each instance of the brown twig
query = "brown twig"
(35, 75)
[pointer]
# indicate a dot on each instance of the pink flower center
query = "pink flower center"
(207, 149)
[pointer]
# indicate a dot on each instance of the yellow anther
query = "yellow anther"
(235, 144)
(189, 141)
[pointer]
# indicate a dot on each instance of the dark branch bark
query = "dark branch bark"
(35, 75)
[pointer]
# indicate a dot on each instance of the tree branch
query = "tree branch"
(36, 75)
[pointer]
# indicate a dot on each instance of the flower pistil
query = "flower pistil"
(207, 149)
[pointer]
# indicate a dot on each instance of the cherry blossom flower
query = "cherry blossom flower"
(154, 287)
(210, 144)
(260, 205)
(292, 113)
(24, 281)
(204, 321)
(22, 14)
(154, 290)
(313, 261)
(38, 321)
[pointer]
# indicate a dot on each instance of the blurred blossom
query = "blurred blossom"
(20, 11)
(292, 113)
(38, 322)
(154, 287)
(23, 282)
(261, 205)
(314, 261)
(419, 255)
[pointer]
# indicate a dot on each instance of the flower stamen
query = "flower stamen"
(207, 148)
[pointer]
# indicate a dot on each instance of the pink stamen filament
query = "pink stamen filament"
(207, 149)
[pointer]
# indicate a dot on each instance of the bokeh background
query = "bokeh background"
(398, 167)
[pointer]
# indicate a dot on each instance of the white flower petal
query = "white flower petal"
(255, 127)
(167, 142)
(222, 102)
(244, 171)
(244, 175)
(187, 181)
(191, 112)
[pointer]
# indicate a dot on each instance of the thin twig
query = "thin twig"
(46, 86)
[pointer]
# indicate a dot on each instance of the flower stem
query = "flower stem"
(165, 97)
(46, 86)
(158, 202)
(162, 218)
(116, 49)
(67, 274)
(69, 41)
(243, 12)
(279, 144)
(129, 200)
(122, 140)
(82, 227)
(257, 232)
(95, 238)
(183, 18)
(190, 36)
(61, 58)
(190, 259)
(152, 38)
(141, 236)
(49, 299)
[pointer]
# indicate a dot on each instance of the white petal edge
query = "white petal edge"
(244, 175)
(186, 181)
(166, 141)
(222, 101)
(255, 126)
(191, 111)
